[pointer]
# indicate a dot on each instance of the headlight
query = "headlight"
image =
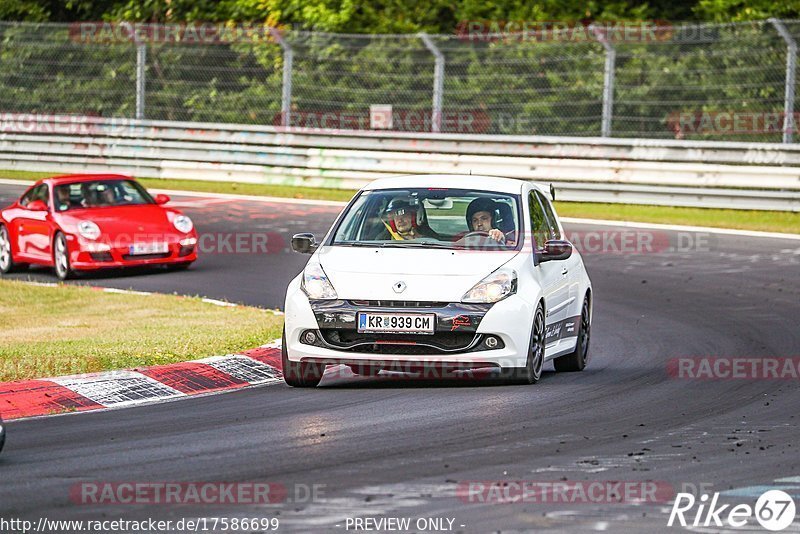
(316, 284)
(183, 224)
(495, 287)
(89, 230)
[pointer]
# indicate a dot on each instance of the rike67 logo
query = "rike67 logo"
(774, 511)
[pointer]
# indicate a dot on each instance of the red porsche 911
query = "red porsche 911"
(88, 222)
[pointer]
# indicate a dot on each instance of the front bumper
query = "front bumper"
(456, 328)
(86, 255)
(459, 341)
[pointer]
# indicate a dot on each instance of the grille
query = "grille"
(101, 256)
(351, 340)
(399, 303)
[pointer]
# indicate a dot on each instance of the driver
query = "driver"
(482, 217)
(405, 219)
(62, 198)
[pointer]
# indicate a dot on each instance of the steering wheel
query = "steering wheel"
(476, 233)
(479, 239)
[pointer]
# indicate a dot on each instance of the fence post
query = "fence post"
(438, 82)
(791, 66)
(141, 63)
(286, 92)
(608, 81)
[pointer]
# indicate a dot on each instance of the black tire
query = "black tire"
(299, 374)
(7, 264)
(577, 360)
(61, 257)
(532, 372)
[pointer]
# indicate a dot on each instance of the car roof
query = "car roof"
(474, 182)
(72, 178)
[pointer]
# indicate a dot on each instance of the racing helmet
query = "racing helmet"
(400, 206)
(482, 204)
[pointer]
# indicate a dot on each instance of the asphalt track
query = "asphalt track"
(402, 448)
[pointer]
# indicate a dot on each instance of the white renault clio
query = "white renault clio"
(438, 272)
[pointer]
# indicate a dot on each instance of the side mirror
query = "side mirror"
(304, 243)
(37, 205)
(162, 199)
(555, 250)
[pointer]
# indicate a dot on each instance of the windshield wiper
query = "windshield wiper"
(417, 244)
(359, 243)
(394, 244)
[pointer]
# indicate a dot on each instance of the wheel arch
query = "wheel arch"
(588, 294)
(12, 238)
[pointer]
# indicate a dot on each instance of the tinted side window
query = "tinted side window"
(27, 197)
(37, 193)
(555, 233)
(44, 194)
(539, 227)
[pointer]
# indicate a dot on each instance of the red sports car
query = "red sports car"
(87, 222)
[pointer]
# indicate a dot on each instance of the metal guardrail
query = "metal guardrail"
(678, 173)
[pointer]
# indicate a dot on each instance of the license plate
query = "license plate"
(398, 323)
(138, 249)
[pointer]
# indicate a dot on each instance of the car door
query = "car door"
(550, 274)
(18, 218)
(33, 227)
(570, 269)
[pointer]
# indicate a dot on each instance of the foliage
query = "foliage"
(506, 85)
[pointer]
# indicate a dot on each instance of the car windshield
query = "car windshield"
(99, 194)
(431, 218)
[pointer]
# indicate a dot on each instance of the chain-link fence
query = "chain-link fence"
(727, 82)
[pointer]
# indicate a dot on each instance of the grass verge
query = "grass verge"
(53, 331)
(766, 221)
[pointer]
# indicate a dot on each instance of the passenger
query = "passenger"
(405, 219)
(107, 197)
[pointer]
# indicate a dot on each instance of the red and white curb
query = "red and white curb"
(133, 387)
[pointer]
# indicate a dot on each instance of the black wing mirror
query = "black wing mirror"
(555, 250)
(304, 243)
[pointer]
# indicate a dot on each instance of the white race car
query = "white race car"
(438, 272)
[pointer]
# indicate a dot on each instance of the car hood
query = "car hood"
(428, 274)
(123, 220)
